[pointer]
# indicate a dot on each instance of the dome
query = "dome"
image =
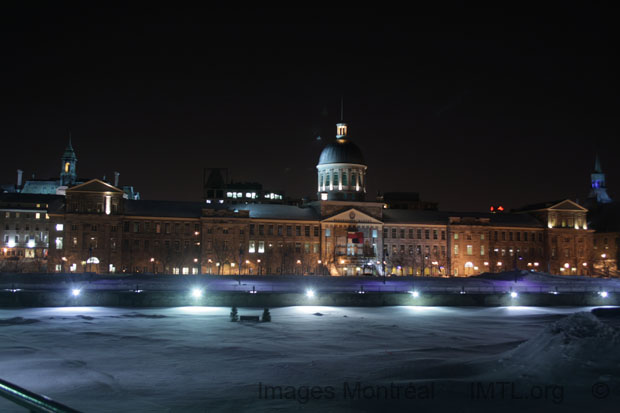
(341, 151)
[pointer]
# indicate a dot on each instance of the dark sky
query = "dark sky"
(469, 107)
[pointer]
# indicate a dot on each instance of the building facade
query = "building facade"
(96, 228)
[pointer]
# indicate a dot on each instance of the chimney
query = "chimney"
(19, 178)
(116, 175)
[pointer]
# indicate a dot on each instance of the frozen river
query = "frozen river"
(325, 359)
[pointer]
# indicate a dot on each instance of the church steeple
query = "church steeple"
(599, 189)
(68, 174)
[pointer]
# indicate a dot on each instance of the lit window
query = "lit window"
(328, 232)
(37, 215)
(185, 270)
(229, 194)
(58, 243)
(470, 250)
(59, 227)
(261, 247)
(324, 196)
(252, 248)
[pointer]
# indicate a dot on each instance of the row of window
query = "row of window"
(26, 227)
(412, 233)
(414, 249)
(27, 215)
(259, 247)
(271, 229)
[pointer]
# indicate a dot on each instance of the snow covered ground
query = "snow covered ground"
(323, 359)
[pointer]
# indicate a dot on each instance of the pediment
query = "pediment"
(352, 216)
(94, 185)
(567, 205)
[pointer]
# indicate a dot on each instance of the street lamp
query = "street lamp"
(258, 264)
(153, 263)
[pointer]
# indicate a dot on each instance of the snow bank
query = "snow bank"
(14, 321)
(576, 346)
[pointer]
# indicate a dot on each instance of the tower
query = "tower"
(68, 174)
(599, 189)
(341, 169)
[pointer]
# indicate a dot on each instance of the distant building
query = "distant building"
(67, 178)
(218, 189)
(406, 200)
(604, 218)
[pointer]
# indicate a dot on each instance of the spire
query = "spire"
(597, 165)
(341, 127)
(599, 189)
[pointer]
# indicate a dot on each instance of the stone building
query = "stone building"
(96, 228)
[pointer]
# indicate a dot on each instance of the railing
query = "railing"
(32, 401)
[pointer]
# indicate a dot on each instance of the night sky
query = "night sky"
(469, 107)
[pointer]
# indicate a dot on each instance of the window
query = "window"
(393, 232)
(261, 247)
(136, 227)
(374, 233)
(456, 249)
(419, 234)
(167, 227)
(187, 228)
(328, 232)
(280, 228)
(518, 236)
(316, 231)
(74, 242)
(470, 250)
(158, 228)
(385, 232)
(270, 230)
(307, 247)
(298, 247)
(435, 234)
(298, 230)
(427, 234)
(482, 250)
(307, 230)
(59, 227)
(289, 231)
(261, 229)
(58, 242)
(410, 233)
(481, 237)
(456, 235)
(402, 233)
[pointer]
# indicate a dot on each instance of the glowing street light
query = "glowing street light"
(414, 294)
(310, 293)
(75, 292)
(514, 294)
(603, 294)
(196, 292)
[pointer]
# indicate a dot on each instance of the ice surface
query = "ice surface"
(195, 359)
